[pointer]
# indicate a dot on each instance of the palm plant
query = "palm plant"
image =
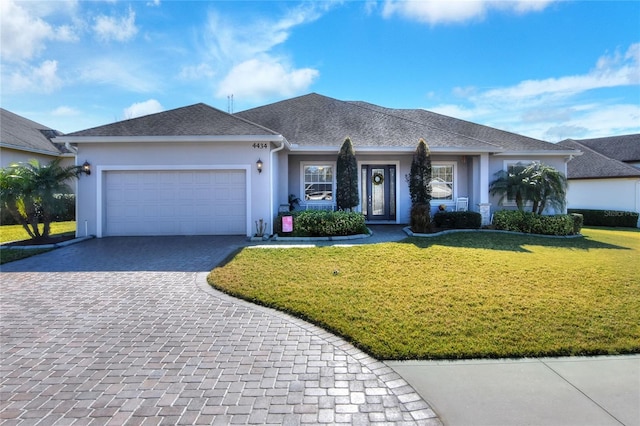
(27, 191)
(549, 187)
(511, 184)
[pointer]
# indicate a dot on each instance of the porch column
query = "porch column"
(485, 205)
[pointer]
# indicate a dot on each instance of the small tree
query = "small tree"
(548, 187)
(27, 191)
(512, 184)
(347, 177)
(419, 180)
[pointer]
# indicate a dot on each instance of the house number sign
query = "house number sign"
(260, 145)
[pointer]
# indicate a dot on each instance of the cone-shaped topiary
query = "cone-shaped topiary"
(347, 177)
(419, 180)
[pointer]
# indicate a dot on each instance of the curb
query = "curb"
(49, 246)
(407, 230)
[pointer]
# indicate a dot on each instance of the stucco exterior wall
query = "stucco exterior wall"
(172, 156)
(463, 170)
(604, 194)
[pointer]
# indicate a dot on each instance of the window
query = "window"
(514, 167)
(442, 182)
(317, 182)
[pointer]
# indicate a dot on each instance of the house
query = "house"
(22, 140)
(199, 170)
(607, 175)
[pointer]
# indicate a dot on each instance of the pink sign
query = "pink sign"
(287, 223)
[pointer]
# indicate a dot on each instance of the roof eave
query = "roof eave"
(32, 150)
(541, 153)
(393, 149)
(171, 139)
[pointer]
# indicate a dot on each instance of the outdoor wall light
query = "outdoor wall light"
(86, 168)
(259, 165)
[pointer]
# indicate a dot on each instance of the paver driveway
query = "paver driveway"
(126, 331)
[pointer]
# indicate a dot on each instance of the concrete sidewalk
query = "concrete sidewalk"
(546, 391)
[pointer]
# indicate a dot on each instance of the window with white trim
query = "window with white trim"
(317, 182)
(509, 166)
(442, 182)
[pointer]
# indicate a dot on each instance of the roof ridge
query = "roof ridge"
(360, 105)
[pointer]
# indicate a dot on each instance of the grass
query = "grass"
(17, 233)
(459, 295)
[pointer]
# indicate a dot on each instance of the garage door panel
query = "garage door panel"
(199, 202)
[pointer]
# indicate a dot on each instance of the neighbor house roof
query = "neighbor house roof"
(313, 121)
(17, 132)
(594, 165)
(193, 120)
(624, 148)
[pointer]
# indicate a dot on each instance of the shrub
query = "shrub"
(321, 223)
(458, 220)
(65, 211)
(611, 218)
(531, 223)
(578, 222)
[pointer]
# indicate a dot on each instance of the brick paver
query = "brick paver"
(126, 331)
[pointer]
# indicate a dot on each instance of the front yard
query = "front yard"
(457, 296)
(10, 233)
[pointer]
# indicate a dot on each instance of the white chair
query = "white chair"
(462, 204)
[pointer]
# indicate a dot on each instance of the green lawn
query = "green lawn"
(459, 295)
(17, 233)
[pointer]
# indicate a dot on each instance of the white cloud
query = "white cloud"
(139, 109)
(243, 52)
(34, 79)
(196, 72)
(118, 71)
(258, 79)
(109, 28)
(457, 11)
(65, 111)
(552, 108)
(153, 3)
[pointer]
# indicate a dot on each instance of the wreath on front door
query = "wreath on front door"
(378, 178)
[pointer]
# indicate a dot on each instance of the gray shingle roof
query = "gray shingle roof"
(193, 120)
(316, 120)
(23, 134)
(622, 148)
(594, 165)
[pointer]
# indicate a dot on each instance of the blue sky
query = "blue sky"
(543, 68)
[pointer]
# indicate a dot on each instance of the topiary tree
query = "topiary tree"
(347, 177)
(419, 180)
(28, 191)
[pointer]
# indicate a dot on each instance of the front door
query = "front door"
(379, 192)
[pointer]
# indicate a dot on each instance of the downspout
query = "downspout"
(271, 156)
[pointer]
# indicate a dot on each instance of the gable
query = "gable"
(193, 120)
(592, 164)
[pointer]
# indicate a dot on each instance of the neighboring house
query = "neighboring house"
(607, 175)
(194, 170)
(22, 140)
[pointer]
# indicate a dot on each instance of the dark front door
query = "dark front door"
(379, 191)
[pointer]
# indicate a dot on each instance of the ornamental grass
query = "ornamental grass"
(465, 295)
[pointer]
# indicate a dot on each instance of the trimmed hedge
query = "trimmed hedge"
(531, 223)
(610, 218)
(322, 223)
(458, 220)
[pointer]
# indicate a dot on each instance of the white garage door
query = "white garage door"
(181, 202)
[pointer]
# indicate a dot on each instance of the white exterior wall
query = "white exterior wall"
(621, 194)
(171, 156)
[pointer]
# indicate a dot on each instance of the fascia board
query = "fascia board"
(32, 150)
(394, 149)
(540, 153)
(170, 139)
